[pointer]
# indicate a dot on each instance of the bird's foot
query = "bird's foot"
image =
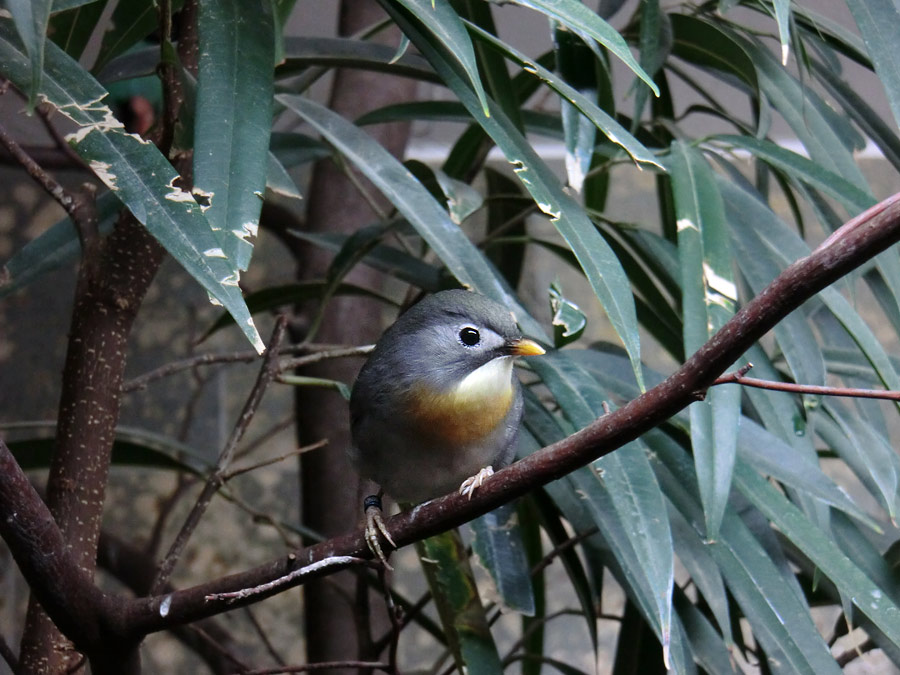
(374, 526)
(469, 485)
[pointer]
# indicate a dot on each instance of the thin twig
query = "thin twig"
(262, 517)
(262, 633)
(562, 548)
(264, 437)
(214, 481)
(166, 507)
(316, 353)
(536, 625)
(337, 561)
(273, 460)
(62, 196)
(393, 617)
(340, 353)
(737, 377)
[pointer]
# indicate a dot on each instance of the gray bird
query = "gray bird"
(437, 404)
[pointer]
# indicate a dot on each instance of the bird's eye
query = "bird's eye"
(469, 336)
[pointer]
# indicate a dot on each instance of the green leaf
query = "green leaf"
(871, 123)
(709, 295)
(462, 199)
(303, 52)
(30, 18)
(324, 383)
(770, 455)
(492, 66)
(710, 651)
(784, 246)
(233, 119)
(655, 43)
(387, 259)
(794, 334)
(567, 318)
(783, 18)
(823, 136)
(575, 64)
(444, 24)
(278, 180)
(452, 583)
(136, 172)
(879, 25)
(463, 260)
(498, 545)
(706, 45)
(693, 553)
(281, 12)
(583, 22)
(866, 452)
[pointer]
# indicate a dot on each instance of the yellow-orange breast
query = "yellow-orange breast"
(467, 412)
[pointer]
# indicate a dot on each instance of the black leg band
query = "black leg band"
(370, 501)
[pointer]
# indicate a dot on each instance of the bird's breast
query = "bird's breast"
(468, 411)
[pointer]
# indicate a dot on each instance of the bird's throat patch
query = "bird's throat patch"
(470, 410)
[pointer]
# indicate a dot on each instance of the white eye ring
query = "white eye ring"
(469, 336)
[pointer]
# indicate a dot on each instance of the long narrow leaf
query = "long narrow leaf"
(30, 18)
(439, 19)
(709, 295)
(231, 136)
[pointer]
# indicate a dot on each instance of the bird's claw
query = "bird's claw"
(469, 485)
(374, 526)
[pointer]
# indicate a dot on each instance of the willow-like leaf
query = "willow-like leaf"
(233, 119)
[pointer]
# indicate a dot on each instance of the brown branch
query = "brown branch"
(737, 377)
(872, 232)
(63, 588)
(266, 374)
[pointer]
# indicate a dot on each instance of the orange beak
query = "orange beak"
(525, 347)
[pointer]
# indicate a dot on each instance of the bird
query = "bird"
(437, 407)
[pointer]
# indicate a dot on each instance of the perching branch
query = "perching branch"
(865, 236)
